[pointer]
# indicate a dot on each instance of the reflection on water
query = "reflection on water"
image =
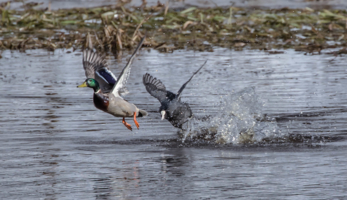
(56, 145)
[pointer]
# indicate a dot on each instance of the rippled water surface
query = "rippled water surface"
(56, 145)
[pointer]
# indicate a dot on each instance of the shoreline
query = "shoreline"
(116, 28)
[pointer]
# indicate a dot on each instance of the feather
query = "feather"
(107, 75)
(155, 87)
(124, 75)
(184, 85)
(95, 67)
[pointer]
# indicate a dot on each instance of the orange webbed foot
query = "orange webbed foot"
(126, 124)
(136, 123)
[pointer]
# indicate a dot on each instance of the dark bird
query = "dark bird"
(107, 87)
(172, 109)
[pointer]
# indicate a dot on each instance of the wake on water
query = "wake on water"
(239, 120)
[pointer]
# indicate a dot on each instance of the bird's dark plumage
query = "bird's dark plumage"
(176, 112)
(184, 85)
(156, 88)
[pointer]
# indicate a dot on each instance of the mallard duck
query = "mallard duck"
(107, 87)
(172, 109)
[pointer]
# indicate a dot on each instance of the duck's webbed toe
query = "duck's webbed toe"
(126, 124)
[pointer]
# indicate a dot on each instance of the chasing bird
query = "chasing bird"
(172, 109)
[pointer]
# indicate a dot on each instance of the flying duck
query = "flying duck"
(107, 88)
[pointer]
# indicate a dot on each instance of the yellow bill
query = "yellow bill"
(83, 85)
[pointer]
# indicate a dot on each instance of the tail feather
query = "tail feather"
(142, 113)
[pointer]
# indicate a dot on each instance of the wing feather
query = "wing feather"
(184, 85)
(154, 87)
(95, 67)
(124, 75)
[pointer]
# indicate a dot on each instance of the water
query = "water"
(239, 120)
(56, 145)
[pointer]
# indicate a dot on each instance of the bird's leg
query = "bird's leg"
(136, 123)
(126, 124)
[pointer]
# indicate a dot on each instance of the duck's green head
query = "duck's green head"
(92, 83)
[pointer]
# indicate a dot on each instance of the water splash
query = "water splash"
(239, 120)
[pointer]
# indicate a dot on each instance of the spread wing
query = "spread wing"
(155, 87)
(95, 67)
(124, 75)
(184, 85)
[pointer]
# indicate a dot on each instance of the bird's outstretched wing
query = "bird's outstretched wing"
(124, 75)
(184, 85)
(155, 87)
(95, 67)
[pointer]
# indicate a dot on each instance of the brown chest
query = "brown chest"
(101, 101)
